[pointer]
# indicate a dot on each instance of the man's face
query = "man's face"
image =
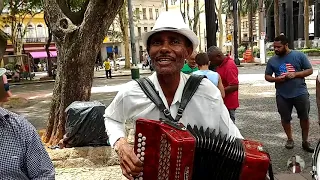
(168, 50)
(192, 60)
(216, 58)
(279, 48)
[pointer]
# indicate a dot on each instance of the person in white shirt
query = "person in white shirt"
(169, 43)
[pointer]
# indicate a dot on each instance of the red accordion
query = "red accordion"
(172, 151)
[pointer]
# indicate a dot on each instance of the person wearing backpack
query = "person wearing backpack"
(169, 43)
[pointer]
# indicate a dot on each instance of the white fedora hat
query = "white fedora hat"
(172, 21)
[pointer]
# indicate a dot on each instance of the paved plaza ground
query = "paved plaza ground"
(257, 119)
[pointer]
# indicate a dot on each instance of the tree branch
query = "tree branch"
(75, 17)
(60, 24)
(96, 12)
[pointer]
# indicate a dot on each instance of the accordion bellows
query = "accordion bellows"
(191, 153)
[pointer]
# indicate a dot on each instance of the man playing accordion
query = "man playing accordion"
(169, 43)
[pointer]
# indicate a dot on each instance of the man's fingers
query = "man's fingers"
(136, 161)
(125, 173)
(131, 168)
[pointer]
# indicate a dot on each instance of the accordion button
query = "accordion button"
(142, 154)
(139, 140)
(139, 144)
(143, 143)
(138, 150)
(140, 178)
(144, 138)
(139, 135)
(143, 148)
(142, 158)
(138, 155)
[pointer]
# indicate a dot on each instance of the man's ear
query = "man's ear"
(189, 52)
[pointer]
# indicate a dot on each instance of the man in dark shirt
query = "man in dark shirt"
(290, 69)
(23, 156)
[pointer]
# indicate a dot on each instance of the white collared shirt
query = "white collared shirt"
(206, 108)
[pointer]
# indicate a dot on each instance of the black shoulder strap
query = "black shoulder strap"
(190, 88)
(148, 88)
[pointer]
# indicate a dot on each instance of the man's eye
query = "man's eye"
(155, 43)
(176, 41)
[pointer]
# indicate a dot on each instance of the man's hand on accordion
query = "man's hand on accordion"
(130, 164)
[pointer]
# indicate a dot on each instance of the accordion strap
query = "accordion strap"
(190, 88)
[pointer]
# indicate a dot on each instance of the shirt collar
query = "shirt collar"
(3, 114)
(226, 59)
(179, 91)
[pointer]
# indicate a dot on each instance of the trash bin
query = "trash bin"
(85, 124)
(135, 74)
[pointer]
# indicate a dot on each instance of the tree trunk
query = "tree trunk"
(125, 34)
(77, 47)
(251, 26)
(196, 12)
(184, 11)
(239, 21)
(167, 5)
(3, 44)
(306, 24)
(221, 30)
(188, 15)
(47, 46)
(1, 5)
(276, 17)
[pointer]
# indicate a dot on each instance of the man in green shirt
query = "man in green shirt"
(191, 65)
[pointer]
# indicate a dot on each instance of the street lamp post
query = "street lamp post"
(235, 32)
(134, 69)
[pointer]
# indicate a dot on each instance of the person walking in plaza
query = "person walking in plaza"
(191, 65)
(290, 69)
(23, 156)
(107, 67)
(203, 62)
(228, 71)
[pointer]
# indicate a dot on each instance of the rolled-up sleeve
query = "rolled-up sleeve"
(38, 163)
(115, 119)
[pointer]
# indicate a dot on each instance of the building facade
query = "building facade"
(145, 15)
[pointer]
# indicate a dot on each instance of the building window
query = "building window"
(150, 13)
(137, 13)
(157, 13)
(7, 29)
(145, 29)
(139, 31)
(144, 13)
(31, 33)
(40, 31)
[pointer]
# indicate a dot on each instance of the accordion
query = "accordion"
(171, 151)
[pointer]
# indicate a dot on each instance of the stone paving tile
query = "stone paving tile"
(289, 177)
